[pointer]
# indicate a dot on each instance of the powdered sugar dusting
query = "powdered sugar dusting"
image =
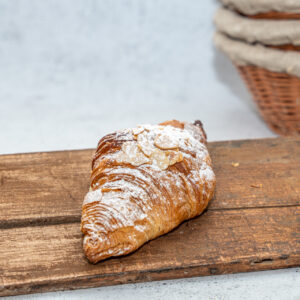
(132, 154)
(143, 189)
(152, 142)
(92, 196)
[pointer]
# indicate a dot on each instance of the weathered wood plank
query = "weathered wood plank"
(47, 258)
(49, 187)
(272, 163)
(43, 187)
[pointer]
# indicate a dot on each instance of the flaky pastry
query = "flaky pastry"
(145, 181)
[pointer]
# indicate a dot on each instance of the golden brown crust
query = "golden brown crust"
(145, 181)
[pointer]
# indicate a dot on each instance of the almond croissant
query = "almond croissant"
(145, 181)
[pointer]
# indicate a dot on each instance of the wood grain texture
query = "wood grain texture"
(43, 187)
(216, 243)
(49, 187)
(244, 229)
(273, 163)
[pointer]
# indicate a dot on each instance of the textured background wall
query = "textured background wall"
(73, 70)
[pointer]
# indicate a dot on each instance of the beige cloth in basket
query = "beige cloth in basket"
(243, 53)
(252, 7)
(268, 32)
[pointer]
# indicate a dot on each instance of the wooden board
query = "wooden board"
(244, 229)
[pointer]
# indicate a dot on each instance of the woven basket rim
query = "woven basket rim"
(257, 30)
(253, 7)
(274, 15)
(276, 96)
(275, 60)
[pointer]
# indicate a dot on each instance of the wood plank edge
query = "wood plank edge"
(39, 221)
(57, 220)
(245, 265)
(210, 143)
(253, 207)
(46, 152)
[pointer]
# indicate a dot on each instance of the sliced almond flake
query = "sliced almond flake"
(138, 130)
(187, 142)
(258, 185)
(131, 153)
(145, 143)
(148, 127)
(159, 159)
(174, 157)
(165, 142)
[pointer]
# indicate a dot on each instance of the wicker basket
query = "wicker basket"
(277, 95)
(274, 15)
